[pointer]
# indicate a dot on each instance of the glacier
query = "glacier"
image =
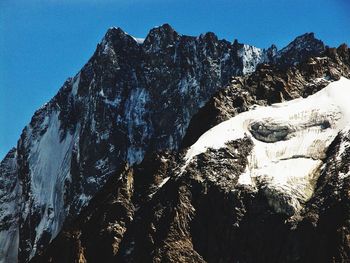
(290, 141)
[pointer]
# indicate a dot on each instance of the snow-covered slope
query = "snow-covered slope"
(251, 57)
(49, 162)
(290, 141)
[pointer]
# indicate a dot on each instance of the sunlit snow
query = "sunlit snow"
(290, 140)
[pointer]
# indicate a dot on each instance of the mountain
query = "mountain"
(240, 193)
(102, 171)
(122, 104)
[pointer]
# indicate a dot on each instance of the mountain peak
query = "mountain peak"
(165, 27)
(164, 30)
(209, 36)
(113, 32)
(131, 100)
(160, 37)
(305, 41)
(300, 49)
(113, 35)
(308, 35)
(116, 39)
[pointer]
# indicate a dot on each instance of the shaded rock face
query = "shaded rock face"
(131, 100)
(85, 241)
(299, 50)
(199, 212)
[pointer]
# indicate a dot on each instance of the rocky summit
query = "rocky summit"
(176, 148)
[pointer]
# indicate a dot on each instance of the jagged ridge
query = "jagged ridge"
(123, 104)
(205, 215)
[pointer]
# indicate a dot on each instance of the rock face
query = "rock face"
(299, 50)
(102, 174)
(9, 212)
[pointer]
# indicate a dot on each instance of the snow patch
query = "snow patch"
(9, 242)
(138, 40)
(49, 163)
(166, 179)
(113, 103)
(251, 56)
(137, 125)
(75, 84)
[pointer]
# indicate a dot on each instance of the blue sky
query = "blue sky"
(43, 42)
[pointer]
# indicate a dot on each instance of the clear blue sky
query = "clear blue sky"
(43, 42)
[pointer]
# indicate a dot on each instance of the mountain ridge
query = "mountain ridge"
(199, 218)
(122, 106)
